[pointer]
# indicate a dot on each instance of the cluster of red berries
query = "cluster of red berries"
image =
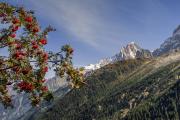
(13, 35)
(45, 57)
(44, 88)
(45, 69)
(43, 41)
(18, 45)
(30, 26)
(29, 19)
(16, 23)
(19, 55)
(15, 28)
(34, 45)
(26, 86)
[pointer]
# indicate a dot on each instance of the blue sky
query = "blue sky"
(99, 28)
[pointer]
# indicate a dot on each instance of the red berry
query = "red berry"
(45, 56)
(18, 45)
(36, 29)
(35, 46)
(15, 21)
(19, 55)
(44, 88)
(33, 42)
(29, 26)
(29, 19)
(14, 29)
(43, 41)
(13, 35)
(45, 69)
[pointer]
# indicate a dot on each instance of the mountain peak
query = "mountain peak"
(132, 43)
(130, 51)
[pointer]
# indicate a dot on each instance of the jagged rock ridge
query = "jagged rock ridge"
(131, 51)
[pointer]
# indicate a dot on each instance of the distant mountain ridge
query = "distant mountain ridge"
(170, 45)
(131, 51)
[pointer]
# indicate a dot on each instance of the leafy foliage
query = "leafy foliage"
(27, 61)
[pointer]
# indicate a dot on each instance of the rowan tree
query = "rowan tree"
(27, 62)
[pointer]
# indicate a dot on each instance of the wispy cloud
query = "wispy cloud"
(106, 25)
(81, 19)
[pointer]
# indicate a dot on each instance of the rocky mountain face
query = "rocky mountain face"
(55, 83)
(170, 45)
(131, 51)
(22, 104)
